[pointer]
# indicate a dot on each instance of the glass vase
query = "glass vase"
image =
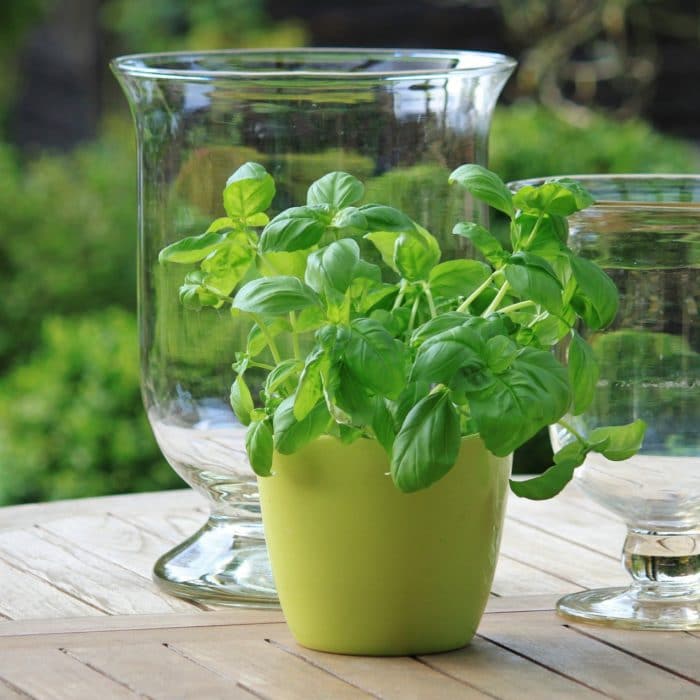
(398, 120)
(644, 230)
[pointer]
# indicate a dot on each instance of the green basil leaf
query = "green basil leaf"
(192, 249)
(290, 434)
(455, 278)
(368, 295)
(383, 425)
(383, 218)
(595, 298)
(492, 326)
(336, 189)
(367, 271)
(434, 326)
(384, 242)
(310, 389)
(574, 451)
(415, 255)
(350, 220)
(561, 198)
(241, 400)
(226, 266)
(195, 295)
(439, 357)
(374, 358)
(427, 444)
(274, 295)
(224, 224)
(348, 434)
(331, 389)
(310, 319)
(549, 239)
(292, 264)
(333, 267)
(259, 219)
(389, 320)
(242, 360)
(259, 446)
(408, 398)
(532, 277)
(248, 191)
(484, 185)
(334, 339)
(283, 378)
(500, 353)
(554, 479)
(352, 398)
(469, 379)
(531, 394)
(297, 228)
(583, 373)
(620, 441)
(548, 331)
(484, 241)
(257, 340)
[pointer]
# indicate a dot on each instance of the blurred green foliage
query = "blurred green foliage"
(528, 140)
(167, 25)
(71, 419)
(68, 235)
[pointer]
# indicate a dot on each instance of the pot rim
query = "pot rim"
(447, 63)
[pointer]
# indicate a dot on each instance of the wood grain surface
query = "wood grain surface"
(81, 618)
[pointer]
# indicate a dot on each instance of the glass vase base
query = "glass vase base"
(625, 608)
(225, 562)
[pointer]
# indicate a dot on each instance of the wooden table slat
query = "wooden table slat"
(267, 670)
(85, 576)
(51, 674)
(401, 678)
(89, 622)
(506, 674)
(177, 677)
(556, 645)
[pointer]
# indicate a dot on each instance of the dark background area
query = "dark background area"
(630, 58)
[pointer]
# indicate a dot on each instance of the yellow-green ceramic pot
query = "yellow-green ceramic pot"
(362, 568)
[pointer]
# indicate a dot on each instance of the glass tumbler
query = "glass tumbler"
(398, 120)
(644, 230)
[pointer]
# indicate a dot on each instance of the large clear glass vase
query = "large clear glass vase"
(644, 230)
(398, 120)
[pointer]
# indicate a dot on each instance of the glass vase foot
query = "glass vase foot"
(224, 562)
(628, 608)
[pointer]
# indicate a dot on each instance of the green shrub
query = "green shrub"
(528, 140)
(67, 236)
(170, 25)
(71, 419)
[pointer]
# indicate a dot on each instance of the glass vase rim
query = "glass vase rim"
(631, 203)
(467, 63)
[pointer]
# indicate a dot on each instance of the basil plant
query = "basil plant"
(363, 333)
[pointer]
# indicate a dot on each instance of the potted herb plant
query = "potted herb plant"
(385, 390)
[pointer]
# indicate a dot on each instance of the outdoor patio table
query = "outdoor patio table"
(81, 618)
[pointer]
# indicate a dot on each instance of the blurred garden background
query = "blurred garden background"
(603, 86)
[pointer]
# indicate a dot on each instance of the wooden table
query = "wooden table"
(80, 618)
